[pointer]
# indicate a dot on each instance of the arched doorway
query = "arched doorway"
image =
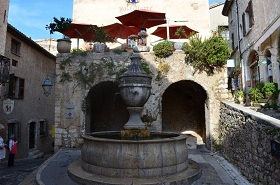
(105, 108)
(183, 108)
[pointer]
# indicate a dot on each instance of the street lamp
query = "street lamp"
(47, 85)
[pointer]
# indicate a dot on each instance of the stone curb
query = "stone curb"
(43, 166)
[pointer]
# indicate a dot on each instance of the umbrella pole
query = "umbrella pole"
(167, 27)
(78, 43)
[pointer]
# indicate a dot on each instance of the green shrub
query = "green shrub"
(271, 90)
(256, 94)
(207, 54)
(163, 49)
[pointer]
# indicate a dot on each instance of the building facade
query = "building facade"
(27, 113)
(192, 13)
(4, 9)
(254, 31)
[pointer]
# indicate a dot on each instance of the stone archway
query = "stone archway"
(183, 108)
(105, 108)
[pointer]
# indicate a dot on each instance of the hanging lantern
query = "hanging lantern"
(47, 86)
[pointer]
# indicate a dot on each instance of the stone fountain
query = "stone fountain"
(134, 155)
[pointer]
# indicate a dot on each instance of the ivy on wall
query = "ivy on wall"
(87, 73)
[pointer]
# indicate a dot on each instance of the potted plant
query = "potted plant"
(240, 96)
(100, 38)
(60, 25)
(271, 92)
(180, 32)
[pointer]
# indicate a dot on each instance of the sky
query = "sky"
(31, 16)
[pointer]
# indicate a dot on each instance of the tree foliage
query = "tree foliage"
(207, 55)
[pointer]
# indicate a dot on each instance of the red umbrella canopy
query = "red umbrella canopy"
(77, 30)
(161, 31)
(142, 18)
(118, 30)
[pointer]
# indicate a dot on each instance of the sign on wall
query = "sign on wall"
(8, 106)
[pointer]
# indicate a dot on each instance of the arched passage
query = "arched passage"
(105, 108)
(183, 108)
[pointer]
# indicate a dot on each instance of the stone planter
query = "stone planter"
(178, 46)
(63, 45)
(99, 47)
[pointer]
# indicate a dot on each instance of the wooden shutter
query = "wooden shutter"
(12, 84)
(243, 24)
(21, 88)
(250, 12)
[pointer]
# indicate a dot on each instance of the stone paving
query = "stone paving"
(23, 168)
(53, 170)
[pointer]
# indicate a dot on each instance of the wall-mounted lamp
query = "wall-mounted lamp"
(4, 70)
(47, 85)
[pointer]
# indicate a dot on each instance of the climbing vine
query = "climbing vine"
(87, 73)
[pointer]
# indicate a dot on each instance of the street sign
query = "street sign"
(8, 106)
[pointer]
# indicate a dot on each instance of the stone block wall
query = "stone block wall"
(245, 140)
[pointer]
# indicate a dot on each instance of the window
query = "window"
(14, 129)
(43, 128)
(255, 71)
(14, 63)
(232, 41)
(16, 87)
(15, 47)
(223, 31)
(132, 1)
(247, 19)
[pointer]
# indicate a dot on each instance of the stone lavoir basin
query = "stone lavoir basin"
(160, 159)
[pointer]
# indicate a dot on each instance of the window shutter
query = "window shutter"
(243, 24)
(21, 88)
(11, 86)
(250, 12)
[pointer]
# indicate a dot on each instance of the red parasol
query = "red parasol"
(118, 30)
(161, 31)
(142, 18)
(76, 30)
(80, 31)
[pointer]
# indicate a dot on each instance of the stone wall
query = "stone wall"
(245, 139)
(71, 95)
(4, 9)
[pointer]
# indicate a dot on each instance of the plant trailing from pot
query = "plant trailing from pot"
(60, 25)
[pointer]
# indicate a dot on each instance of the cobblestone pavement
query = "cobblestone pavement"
(23, 168)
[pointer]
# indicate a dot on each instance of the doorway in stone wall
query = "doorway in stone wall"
(105, 109)
(32, 131)
(183, 109)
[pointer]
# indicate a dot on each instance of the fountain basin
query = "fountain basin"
(106, 154)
